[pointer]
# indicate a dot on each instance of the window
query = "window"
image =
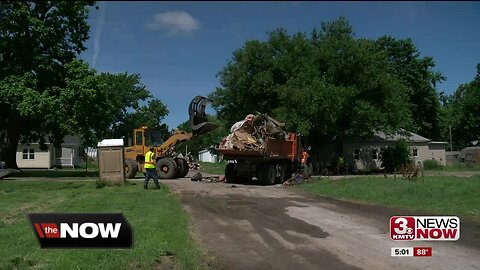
(356, 154)
(415, 152)
(139, 138)
(28, 153)
(374, 154)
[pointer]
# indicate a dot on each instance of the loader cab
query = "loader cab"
(153, 137)
(144, 137)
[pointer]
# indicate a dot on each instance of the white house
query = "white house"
(68, 155)
(365, 155)
(206, 156)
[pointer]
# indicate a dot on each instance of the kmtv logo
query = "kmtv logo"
(425, 228)
(104, 230)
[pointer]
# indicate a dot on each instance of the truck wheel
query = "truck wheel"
(230, 174)
(284, 173)
(166, 168)
(182, 167)
(267, 174)
(130, 168)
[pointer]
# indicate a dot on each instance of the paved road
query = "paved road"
(256, 227)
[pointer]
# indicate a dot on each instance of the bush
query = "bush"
(432, 164)
(393, 157)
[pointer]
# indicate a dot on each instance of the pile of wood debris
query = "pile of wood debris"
(252, 133)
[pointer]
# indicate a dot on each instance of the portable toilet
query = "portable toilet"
(111, 164)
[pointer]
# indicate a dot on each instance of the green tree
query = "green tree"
(205, 141)
(417, 75)
(465, 112)
(326, 85)
(124, 110)
(393, 157)
(39, 41)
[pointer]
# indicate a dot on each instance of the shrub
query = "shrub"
(432, 164)
(393, 157)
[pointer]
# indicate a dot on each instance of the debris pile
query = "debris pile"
(198, 177)
(252, 133)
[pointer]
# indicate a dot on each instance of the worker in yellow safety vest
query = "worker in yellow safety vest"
(150, 171)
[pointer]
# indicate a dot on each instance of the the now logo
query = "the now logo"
(75, 230)
(104, 230)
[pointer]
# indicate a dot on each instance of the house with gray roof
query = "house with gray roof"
(365, 154)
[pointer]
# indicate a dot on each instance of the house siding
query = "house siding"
(206, 156)
(366, 162)
(67, 155)
(43, 158)
(437, 152)
(423, 152)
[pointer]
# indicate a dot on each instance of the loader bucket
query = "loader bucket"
(198, 118)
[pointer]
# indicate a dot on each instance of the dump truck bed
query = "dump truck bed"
(275, 149)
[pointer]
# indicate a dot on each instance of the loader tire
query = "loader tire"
(166, 168)
(182, 167)
(131, 169)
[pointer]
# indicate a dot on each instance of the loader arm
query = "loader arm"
(168, 145)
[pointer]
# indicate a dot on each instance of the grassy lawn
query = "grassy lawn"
(160, 226)
(458, 167)
(213, 168)
(441, 195)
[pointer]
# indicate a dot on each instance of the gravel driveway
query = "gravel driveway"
(267, 227)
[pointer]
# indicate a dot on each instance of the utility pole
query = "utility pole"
(450, 130)
(1, 15)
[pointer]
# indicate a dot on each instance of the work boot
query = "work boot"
(158, 187)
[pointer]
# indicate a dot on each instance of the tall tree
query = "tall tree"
(329, 84)
(38, 42)
(420, 80)
(247, 83)
(465, 113)
(124, 110)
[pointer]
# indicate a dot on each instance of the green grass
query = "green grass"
(457, 167)
(437, 194)
(213, 168)
(160, 226)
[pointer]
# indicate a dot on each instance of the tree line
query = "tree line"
(47, 92)
(328, 85)
(331, 86)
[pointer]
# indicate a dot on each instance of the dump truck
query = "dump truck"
(272, 158)
(169, 165)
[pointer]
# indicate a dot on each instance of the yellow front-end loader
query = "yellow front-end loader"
(168, 164)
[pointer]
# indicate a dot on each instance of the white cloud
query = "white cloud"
(174, 22)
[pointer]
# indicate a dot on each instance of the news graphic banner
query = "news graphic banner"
(79, 230)
(411, 252)
(425, 228)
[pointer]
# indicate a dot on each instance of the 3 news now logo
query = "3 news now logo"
(95, 230)
(421, 228)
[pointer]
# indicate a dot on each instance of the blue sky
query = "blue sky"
(179, 47)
